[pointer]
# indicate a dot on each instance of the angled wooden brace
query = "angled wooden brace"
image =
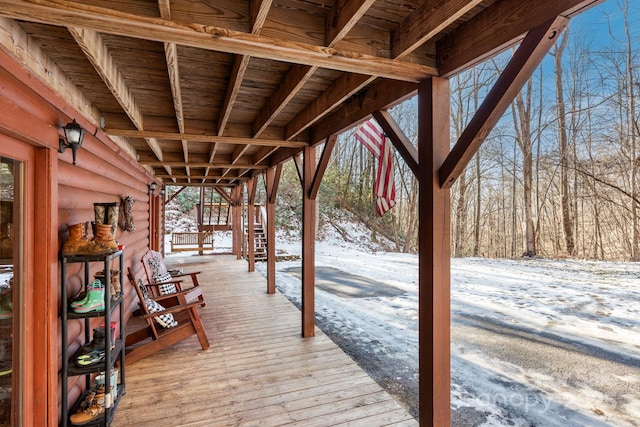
(399, 140)
(519, 69)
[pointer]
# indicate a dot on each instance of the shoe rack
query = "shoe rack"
(113, 311)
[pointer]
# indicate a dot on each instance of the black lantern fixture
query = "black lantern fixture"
(163, 191)
(73, 133)
(152, 186)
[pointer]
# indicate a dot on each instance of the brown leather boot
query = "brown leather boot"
(77, 243)
(103, 239)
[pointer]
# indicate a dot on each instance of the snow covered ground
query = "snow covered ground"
(534, 342)
(590, 311)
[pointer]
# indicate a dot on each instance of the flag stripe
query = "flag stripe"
(371, 135)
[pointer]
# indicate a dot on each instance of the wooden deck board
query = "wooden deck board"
(259, 371)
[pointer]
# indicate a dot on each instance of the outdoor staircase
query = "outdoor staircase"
(260, 242)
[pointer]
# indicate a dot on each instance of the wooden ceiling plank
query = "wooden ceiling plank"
(498, 27)
(342, 89)
(211, 38)
(344, 15)
(165, 8)
(173, 136)
(379, 96)
(202, 165)
(98, 54)
(295, 79)
(240, 65)
(427, 21)
(212, 155)
(262, 155)
(399, 139)
(259, 9)
(171, 54)
(519, 69)
(175, 176)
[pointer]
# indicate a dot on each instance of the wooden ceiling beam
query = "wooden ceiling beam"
(171, 56)
(240, 65)
(173, 136)
(212, 155)
(341, 90)
(503, 24)
(98, 54)
(293, 81)
(343, 16)
(519, 69)
(381, 95)
(203, 165)
(211, 38)
(426, 22)
(258, 9)
(263, 153)
(197, 176)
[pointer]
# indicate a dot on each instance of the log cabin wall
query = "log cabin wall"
(101, 175)
(104, 172)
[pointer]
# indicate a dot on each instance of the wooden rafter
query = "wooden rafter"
(259, 10)
(200, 177)
(171, 55)
(519, 69)
(98, 54)
(497, 28)
(204, 138)
(211, 38)
(426, 22)
(204, 165)
(341, 90)
(343, 16)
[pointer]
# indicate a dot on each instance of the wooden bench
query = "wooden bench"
(192, 241)
(145, 337)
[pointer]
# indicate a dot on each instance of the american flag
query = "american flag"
(370, 134)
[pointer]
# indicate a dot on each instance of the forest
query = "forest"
(557, 177)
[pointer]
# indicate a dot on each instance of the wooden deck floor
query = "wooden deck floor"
(258, 371)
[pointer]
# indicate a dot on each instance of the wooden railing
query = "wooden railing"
(191, 241)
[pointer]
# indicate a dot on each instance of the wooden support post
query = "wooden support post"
(271, 183)
(312, 173)
(236, 227)
(434, 263)
(251, 243)
(308, 243)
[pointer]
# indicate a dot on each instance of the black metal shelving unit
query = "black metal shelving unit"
(111, 304)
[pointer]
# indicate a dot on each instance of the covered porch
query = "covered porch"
(258, 369)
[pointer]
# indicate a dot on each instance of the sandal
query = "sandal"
(91, 358)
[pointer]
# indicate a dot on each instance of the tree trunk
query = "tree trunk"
(567, 224)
